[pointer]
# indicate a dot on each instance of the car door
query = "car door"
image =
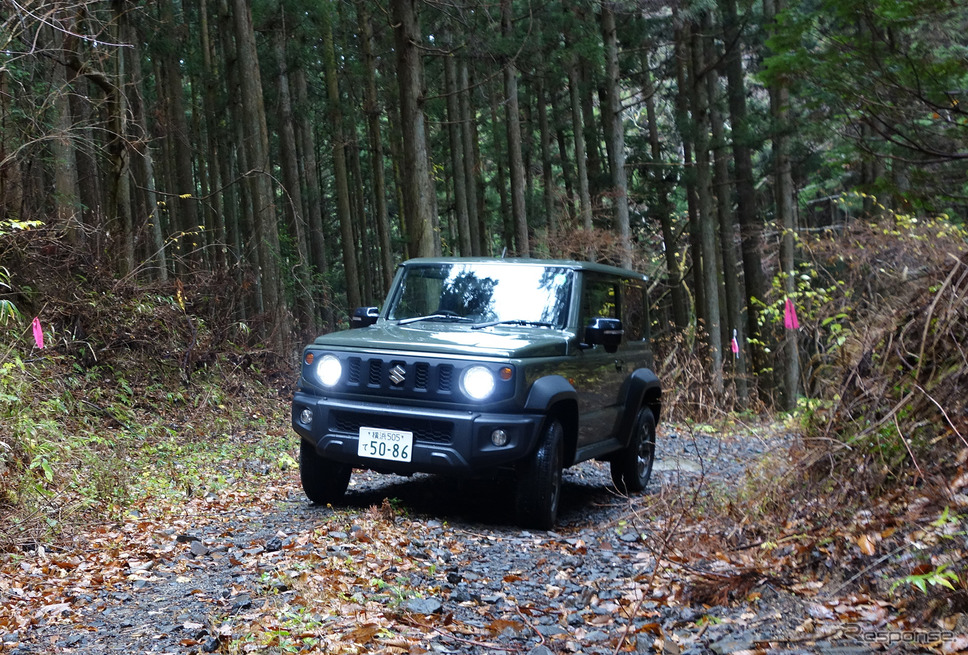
(600, 374)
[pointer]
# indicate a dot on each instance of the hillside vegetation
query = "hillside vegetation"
(144, 389)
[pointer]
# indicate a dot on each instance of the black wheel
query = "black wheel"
(323, 480)
(539, 480)
(632, 467)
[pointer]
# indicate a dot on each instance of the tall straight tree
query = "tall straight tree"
(547, 174)
(185, 202)
(66, 193)
(468, 129)
(292, 196)
(613, 83)
(686, 132)
(312, 196)
(783, 197)
(423, 238)
(343, 208)
(507, 226)
(662, 205)
(256, 144)
(581, 160)
(142, 160)
(374, 135)
(512, 124)
(732, 283)
(457, 156)
(750, 225)
(217, 208)
(708, 252)
(119, 220)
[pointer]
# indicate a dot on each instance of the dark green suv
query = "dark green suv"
(478, 365)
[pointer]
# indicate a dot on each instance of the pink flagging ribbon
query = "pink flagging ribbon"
(38, 333)
(734, 345)
(790, 321)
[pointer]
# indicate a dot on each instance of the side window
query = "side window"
(600, 299)
(635, 314)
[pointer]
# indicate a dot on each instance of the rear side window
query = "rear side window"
(635, 311)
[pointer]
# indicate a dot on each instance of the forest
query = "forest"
(190, 190)
(285, 155)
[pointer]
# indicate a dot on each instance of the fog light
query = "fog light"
(499, 438)
(306, 417)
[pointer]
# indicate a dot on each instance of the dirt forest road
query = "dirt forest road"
(429, 565)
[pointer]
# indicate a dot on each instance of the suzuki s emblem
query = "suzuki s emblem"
(398, 374)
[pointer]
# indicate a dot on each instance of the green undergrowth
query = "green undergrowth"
(81, 441)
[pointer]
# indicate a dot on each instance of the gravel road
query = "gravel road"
(605, 581)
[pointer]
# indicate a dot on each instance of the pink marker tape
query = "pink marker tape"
(38, 333)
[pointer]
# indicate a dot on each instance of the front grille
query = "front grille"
(375, 376)
(353, 375)
(397, 378)
(445, 372)
(423, 375)
(425, 430)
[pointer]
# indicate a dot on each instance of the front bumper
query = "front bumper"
(445, 441)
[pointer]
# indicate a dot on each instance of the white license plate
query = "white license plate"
(395, 445)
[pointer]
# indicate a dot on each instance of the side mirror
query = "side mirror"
(364, 317)
(605, 331)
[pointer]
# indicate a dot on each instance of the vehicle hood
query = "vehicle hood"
(498, 341)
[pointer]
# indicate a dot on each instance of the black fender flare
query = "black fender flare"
(642, 387)
(556, 391)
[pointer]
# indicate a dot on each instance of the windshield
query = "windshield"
(483, 293)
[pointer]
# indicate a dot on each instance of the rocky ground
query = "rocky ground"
(432, 565)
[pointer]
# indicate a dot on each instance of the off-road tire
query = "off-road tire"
(323, 480)
(539, 482)
(632, 467)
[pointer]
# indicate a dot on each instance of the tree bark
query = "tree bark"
(214, 163)
(277, 330)
(186, 210)
(457, 157)
(418, 183)
(292, 196)
(783, 195)
(707, 225)
(119, 194)
(507, 224)
(313, 197)
(619, 195)
(522, 243)
(750, 225)
(581, 160)
(468, 125)
(680, 302)
(66, 194)
(727, 234)
(375, 138)
(686, 129)
(547, 173)
(343, 208)
(142, 162)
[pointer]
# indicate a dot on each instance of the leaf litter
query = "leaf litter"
(430, 565)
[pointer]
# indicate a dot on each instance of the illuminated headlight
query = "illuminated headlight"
(329, 370)
(478, 382)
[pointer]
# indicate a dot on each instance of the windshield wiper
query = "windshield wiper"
(435, 317)
(513, 321)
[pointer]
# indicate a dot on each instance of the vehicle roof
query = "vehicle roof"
(605, 269)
